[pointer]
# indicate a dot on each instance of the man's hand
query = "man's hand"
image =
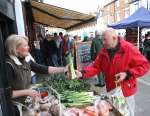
(78, 73)
(120, 76)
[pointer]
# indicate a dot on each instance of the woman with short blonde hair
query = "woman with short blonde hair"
(13, 42)
(19, 70)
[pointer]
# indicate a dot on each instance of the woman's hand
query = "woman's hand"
(25, 92)
(55, 70)
(33, 93)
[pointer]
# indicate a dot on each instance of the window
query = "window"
(126, 1)
(127, 13)
(101, 13)
(117, 3)
(111, 19)
(107, 19)
(118, 16)
(136, 4)
(108, 9)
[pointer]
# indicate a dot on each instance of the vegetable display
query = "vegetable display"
(46, 105)
(73, 92)
(60, 83)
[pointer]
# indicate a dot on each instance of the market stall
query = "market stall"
(66, 95)
(139, 19)
(61, 95)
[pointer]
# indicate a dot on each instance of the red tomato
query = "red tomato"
(44, 94)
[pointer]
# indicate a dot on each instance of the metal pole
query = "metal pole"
(148, 4)
(138, 39)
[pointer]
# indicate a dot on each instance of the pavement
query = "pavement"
(142, 97)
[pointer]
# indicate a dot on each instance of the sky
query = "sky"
(84, 6)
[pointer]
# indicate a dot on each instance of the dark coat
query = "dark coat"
(95, 47)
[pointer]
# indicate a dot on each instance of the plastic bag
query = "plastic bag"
(118, 100)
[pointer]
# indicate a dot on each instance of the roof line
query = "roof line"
(43, 11)
(47, 24)
(133, 1)
(110, 3)
(81, 23)
(60, 7)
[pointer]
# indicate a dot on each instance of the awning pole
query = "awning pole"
(138, 41)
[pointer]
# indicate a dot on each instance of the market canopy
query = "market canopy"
(141, 18)
(53, 16)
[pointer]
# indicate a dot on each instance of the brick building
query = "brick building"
(116, 11)
(109, 12)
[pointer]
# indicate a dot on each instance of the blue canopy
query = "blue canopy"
(141, 18)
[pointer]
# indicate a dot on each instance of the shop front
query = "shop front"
(7, 27)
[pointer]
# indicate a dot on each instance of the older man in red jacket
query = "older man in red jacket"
(120, 60)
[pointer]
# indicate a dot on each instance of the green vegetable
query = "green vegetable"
(73, 92)
(61, 83)
(76, 99)
(71, 66)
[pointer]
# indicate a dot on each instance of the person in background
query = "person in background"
(147, 46)
(121, 63)
(65, 48)
(86, 38)
(37, 46)
(76, 39)
(19, 70)
(52, 51)
(44, 51)
(96, 46)
(61, 35)
(92, 36)
(80, 39)
(70, 43)
(142, 44)
(61, 38)
(57, 40)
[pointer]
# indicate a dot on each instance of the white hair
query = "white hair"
(13, 42)
(111, 31)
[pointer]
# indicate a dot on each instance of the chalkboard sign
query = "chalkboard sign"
(83, 54)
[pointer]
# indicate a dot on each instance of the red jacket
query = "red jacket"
(128, 58)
